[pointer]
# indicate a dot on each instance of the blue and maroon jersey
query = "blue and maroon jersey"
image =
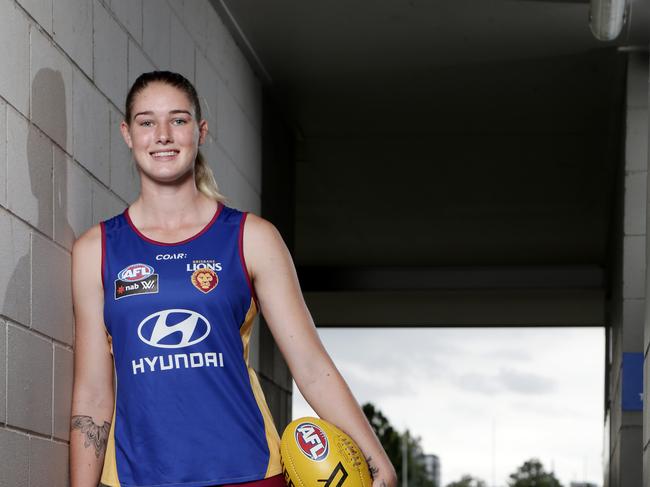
(189, 410)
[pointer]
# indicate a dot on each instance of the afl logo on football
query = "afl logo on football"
(135, 272)
(312, 441)
(173, 328)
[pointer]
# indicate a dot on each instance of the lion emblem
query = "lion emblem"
(205, 280)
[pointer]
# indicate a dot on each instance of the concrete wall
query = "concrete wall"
(623, 460)
(278, 206)
(512, 169)
(639, 140)
(63, 167)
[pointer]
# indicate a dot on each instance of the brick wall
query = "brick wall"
(639, 140)
(623, 462)
(67, 65)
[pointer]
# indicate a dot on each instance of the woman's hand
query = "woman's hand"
(382, 472)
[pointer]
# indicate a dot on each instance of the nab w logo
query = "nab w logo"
(148, 284)
(173, 328)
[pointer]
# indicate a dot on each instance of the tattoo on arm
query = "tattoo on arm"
(373, 468)
(96, 434)
(374, 472)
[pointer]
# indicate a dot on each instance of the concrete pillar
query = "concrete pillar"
(640, 141)
(278, 207)
(275, 379)
(623, 460)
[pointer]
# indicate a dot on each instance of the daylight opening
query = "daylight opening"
(488, 403)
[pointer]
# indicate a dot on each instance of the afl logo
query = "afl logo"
(135, 272)
(312, 441)
(173, 328)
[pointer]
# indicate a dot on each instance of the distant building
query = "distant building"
(432, 466)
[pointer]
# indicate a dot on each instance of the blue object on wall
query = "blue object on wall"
(632, 381)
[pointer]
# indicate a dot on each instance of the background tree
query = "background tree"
(392, 441)
(468, 481)
(417, 470)
(532, 474)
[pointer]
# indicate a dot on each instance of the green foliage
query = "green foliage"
(392, 441)
(468, 481)
(532, 474)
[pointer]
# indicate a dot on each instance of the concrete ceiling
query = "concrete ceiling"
(444, 133)
(397, 51)
(341, 39)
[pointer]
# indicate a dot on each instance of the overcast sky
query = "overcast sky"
(539, 389)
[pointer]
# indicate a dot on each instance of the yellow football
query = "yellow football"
(316, 453)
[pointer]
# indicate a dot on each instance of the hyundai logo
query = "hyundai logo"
(173, 328)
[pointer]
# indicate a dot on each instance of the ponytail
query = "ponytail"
(204, 179)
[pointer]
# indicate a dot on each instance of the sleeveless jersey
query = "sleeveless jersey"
(189, 410)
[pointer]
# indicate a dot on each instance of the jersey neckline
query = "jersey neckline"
(171, 244)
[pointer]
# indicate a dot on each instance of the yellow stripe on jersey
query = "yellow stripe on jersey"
(272, 437)
(246, 328)
(109, 472)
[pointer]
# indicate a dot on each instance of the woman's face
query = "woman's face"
(163, 133)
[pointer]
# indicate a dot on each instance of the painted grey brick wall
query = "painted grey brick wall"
(624, 461)
(64, 167)
(638, 141)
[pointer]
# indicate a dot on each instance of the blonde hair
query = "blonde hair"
(203, 175)
(204, 179)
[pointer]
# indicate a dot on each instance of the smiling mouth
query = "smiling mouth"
(164, 154)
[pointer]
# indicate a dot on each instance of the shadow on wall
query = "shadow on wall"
(47, 93)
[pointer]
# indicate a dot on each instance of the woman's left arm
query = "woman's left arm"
(278, 292)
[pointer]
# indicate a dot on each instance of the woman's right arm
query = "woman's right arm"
(92, 394)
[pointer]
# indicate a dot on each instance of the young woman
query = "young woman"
(164, 296)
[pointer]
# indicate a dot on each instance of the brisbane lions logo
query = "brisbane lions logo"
(205, 279)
